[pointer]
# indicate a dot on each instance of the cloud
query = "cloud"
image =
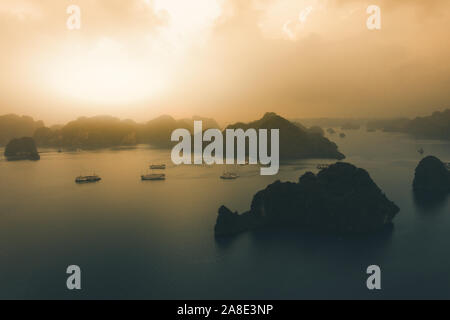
(246, 65)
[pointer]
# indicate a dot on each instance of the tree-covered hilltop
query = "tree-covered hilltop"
(14, 126)
(341, 199)
(296, 142)
(21, 149)
(435, 126)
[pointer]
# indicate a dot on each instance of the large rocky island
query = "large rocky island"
(341, 199)
(21, 149)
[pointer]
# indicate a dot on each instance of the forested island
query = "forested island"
(296, 141)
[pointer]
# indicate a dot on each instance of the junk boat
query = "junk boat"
(153, 176)
(229, 176)
(158, 166)
(88, 179)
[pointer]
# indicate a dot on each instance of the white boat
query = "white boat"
(87, 179)
(153, 176)
(158, 166)
(229, 176)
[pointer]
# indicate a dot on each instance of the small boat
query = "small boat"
(342, 135)
(323, 166)
(421, 151)
(158, 166)
(88, 179)
(153, 176)
(229, 176)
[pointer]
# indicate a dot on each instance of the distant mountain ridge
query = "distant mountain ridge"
(435, 126)
(106, 131)
(96, 132)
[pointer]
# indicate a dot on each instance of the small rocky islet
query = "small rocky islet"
(431, 180)
(22, 149)
(341, 199)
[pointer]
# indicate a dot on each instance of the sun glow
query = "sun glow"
(109, 71)
(106, 74)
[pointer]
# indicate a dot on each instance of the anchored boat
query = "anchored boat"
(88, 179)
(229, 176)
(323, 166)
(153, 176)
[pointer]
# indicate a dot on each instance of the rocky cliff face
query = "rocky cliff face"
(341, 199)
(21, 149)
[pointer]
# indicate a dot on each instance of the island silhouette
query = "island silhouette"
(341, 199)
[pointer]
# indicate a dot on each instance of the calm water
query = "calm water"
(155, 240)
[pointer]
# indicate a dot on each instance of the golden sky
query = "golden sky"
(226, 59)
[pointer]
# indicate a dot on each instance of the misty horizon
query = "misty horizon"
(224, 59)
(221, 122)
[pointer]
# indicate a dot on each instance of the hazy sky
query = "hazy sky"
(227, 59)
